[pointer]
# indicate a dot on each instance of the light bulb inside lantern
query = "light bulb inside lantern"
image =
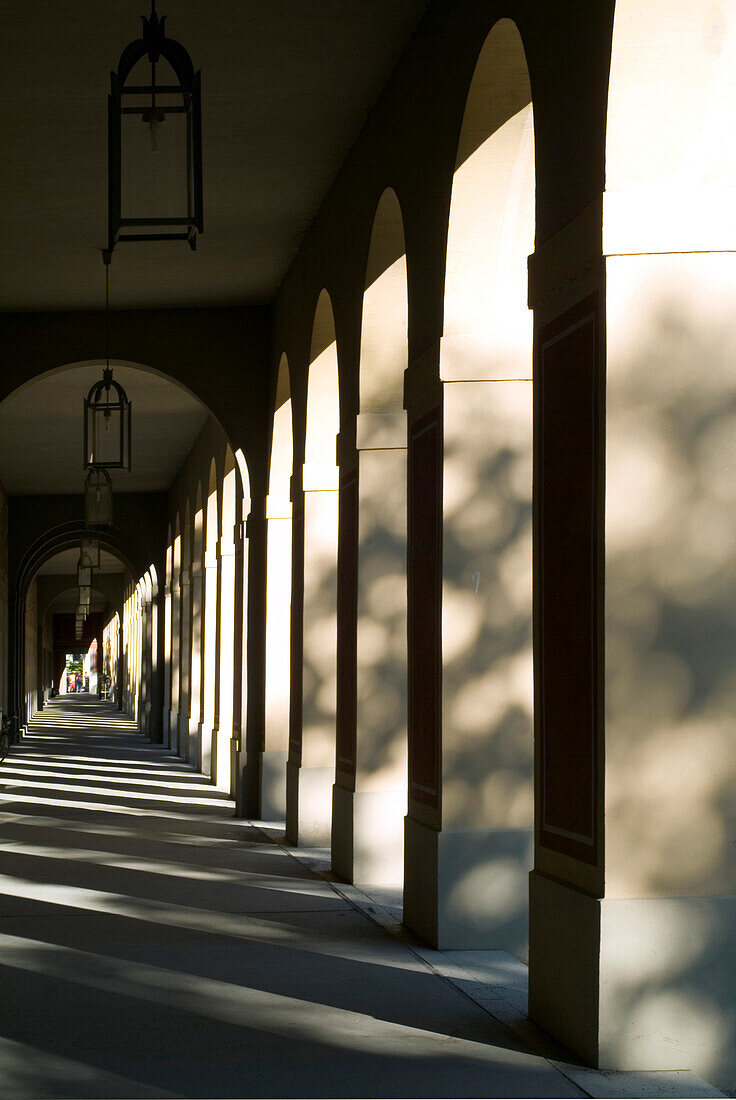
(153, 116)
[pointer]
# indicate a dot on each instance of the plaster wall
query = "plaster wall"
(211, 443)
(567, 54)
(567, 51)
(668, 633)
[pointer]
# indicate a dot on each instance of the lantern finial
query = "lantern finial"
(154, 33)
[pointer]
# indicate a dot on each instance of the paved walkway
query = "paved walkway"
(152, 945)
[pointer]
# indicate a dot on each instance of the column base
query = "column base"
(222, 764)
(174, 731)
(368, 836)
(195, 744)
(308, 805)
(206, 750)
(251, 793)
(237, 774)
(183, 736)
(466, 889)
(635, 983)
(273, 785)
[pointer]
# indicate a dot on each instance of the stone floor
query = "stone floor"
(152, 945)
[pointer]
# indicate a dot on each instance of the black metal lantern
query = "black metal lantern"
(98, 498)
(154, 145)
(84, 573)
(89, 552)
(107, 425)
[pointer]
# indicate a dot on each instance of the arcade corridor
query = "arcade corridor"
(367, 526)
(154, 946)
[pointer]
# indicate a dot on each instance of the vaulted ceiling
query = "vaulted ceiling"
(287, 85)
(41, 431)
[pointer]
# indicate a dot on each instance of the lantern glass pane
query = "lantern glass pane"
(84, 575)
(85, 595)
(108, 436)
(154, 184)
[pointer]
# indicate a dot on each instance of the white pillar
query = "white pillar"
(369, 795)
(311, 768)
(469, 827)
(278, 658)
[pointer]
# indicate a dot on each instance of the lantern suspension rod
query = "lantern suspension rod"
(107, 314)
(153, 16)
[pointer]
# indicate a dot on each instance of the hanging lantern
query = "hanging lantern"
(107, 425)
(98, 498)
(155, 144)
(89, 551)
(84, 573)
(85, 596)
(81, 613)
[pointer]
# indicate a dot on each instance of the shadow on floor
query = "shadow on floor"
(154, 945)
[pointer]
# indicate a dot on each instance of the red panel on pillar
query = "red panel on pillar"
(425, 606)
(569, 516)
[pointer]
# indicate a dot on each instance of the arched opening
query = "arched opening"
(185, 653)
(223, 771)
(469, 829)
(147, 635)
(55, 596)
(245, 642)
(175, 636)
(152, 674)
(167, 635)
(371, 772)
(210, 661)
(197, 633)
(278, 604)
(311, 766)
(131, 650)
(48, 571)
